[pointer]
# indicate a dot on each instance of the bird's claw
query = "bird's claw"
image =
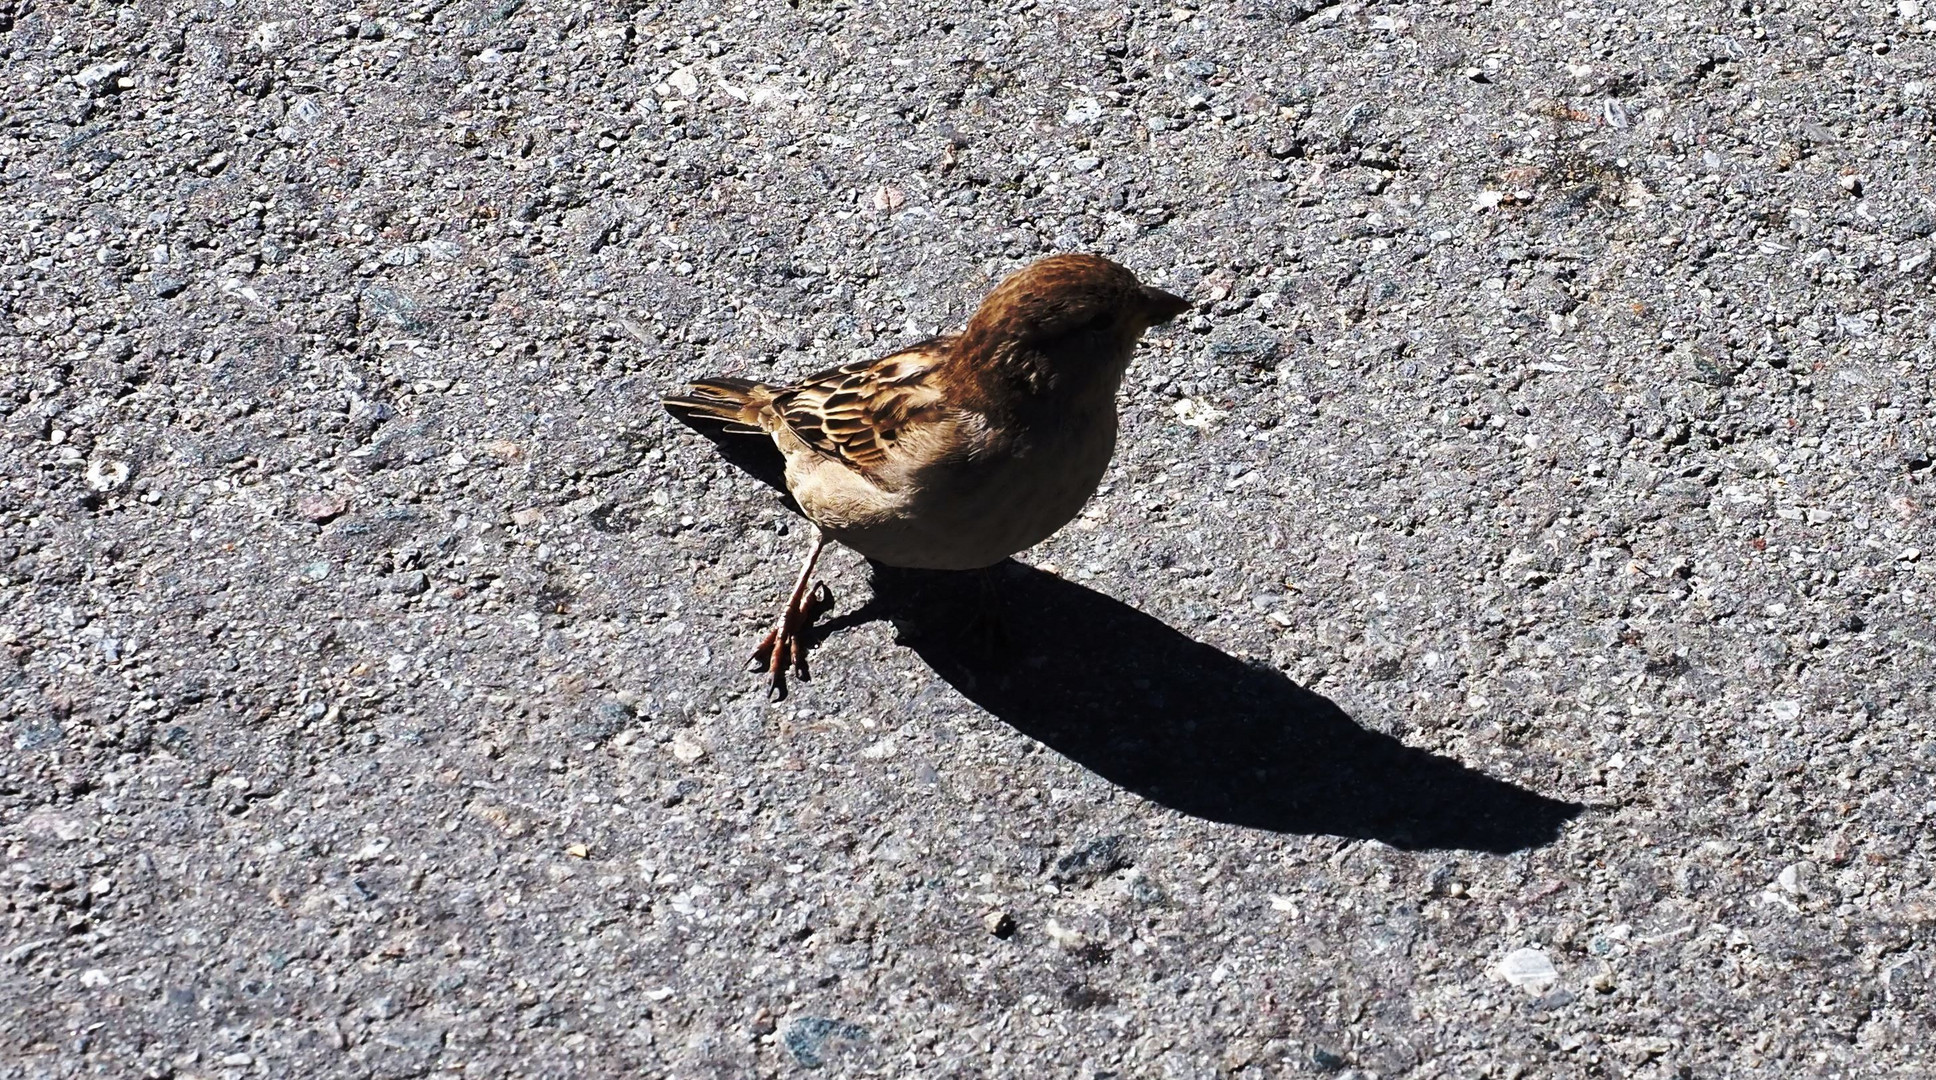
(784, 648)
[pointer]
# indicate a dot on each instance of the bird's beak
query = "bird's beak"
(1162, 306)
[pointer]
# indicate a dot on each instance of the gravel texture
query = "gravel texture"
(1502, 647)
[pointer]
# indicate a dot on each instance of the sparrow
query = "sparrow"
(958, 451)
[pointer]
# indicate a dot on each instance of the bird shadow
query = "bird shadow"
(1189, 727)
(754, 455)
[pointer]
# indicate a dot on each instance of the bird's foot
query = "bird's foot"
(784, 648)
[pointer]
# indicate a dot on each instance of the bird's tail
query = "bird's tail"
(724, 400)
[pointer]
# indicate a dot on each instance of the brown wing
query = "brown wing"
(856, 413)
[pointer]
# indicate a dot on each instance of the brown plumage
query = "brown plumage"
(959, 451)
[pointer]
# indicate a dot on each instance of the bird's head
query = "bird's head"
(1066, 318)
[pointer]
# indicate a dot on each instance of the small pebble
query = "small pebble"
(1528, 969)
(322, 507)
(1065, 938)
(810, 1038)
(687, 749)
(102, 75)
(103, 475)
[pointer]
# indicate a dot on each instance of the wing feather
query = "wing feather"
(856, 413)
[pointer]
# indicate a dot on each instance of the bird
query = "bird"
(953, 453)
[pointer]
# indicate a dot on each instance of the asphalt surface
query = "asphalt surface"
(1501, 648)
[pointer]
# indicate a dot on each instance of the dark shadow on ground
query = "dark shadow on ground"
(1189, 727)
(753, 453)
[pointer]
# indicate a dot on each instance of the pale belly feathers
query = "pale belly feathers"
(964, 515)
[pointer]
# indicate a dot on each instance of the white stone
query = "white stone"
(1528, 969)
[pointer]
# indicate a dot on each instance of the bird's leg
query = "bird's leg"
(784, 647)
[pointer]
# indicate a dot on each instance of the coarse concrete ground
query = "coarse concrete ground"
(1503, 645)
